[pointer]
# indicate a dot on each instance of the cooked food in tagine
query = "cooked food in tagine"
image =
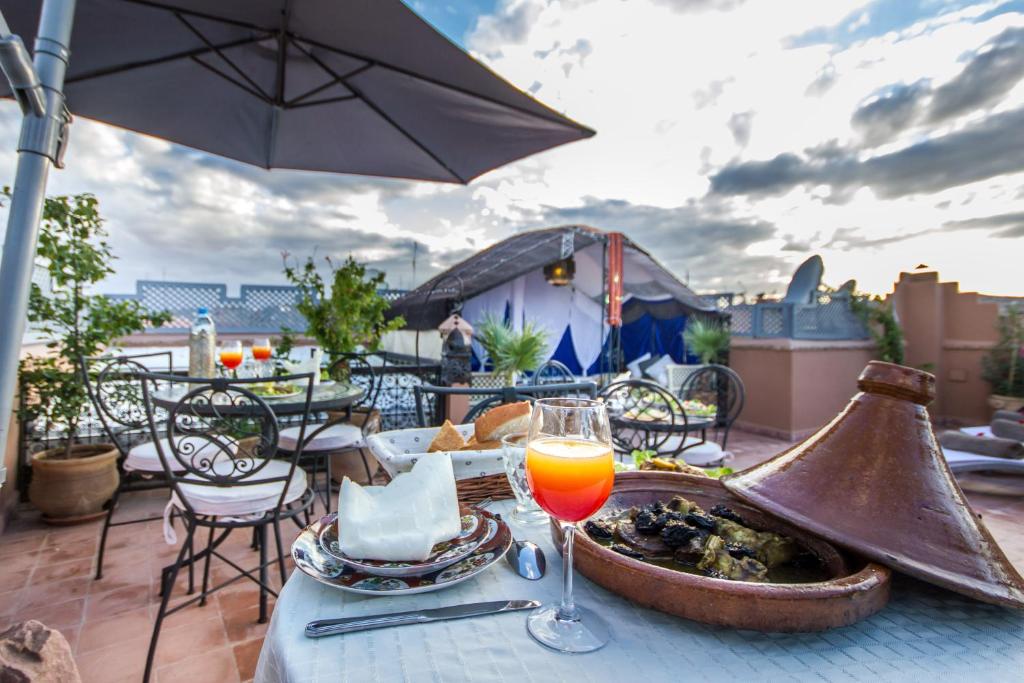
(716, 543)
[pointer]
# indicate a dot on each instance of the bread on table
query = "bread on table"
(447, 439)
(502, 420)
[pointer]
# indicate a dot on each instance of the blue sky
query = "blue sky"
(735, 139)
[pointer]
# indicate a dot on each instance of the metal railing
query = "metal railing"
(830, 318)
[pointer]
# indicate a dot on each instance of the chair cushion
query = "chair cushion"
(334, 438)
(707, 454)
(980, 430)
(144, 457)
(634, 367)
(658, 370)
(248, 498)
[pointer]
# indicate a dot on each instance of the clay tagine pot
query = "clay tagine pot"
(874, 480)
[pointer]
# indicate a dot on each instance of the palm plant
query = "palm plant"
(706, 339)
(511, 352)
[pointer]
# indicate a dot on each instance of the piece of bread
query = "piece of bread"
(473, 445)
(447, 439)
(502, 420)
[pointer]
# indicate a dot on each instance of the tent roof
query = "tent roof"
(523, 253)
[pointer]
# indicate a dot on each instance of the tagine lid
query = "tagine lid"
(874, 480)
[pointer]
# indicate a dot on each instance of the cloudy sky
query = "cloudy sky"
(735, 138)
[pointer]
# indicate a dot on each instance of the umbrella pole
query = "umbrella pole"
(39, 146)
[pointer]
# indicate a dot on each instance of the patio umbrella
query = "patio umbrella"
(352, 86)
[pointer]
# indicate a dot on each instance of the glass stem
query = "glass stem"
(567, 610)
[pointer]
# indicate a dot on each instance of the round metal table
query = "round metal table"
(334, 397)
(669, 429)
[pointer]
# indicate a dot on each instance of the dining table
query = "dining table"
(925, 633)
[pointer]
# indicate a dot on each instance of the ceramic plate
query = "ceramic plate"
(443, 554)
(311, 559)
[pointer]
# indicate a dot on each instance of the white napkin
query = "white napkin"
(403, 520)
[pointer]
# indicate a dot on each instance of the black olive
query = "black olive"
(726, 513)
(675, 534)
(627, 551)
(601, 530)
(647, 523)
(658, 508)
(700, 521)
(666, 517)
(740, 551)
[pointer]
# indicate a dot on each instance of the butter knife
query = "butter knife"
(330, 627)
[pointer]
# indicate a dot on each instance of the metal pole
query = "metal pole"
(38, 147)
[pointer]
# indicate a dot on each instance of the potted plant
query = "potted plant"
(708, 340)
(511, 353)
(879, 318)
(350, 315)
(72, 483)
(1003, 366)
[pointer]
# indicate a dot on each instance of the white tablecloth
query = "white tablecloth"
(925, 633)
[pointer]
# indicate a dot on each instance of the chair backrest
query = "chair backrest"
(219, 433)
(115, 391)
(644, 416)
(719, 386)
(552, 372)
(492, 397)
(357, 369)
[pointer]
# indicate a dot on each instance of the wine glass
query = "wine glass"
(231, 356)
(513, 452)
(570, 470)
(261, 352)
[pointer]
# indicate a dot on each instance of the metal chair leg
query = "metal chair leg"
(329, 485)
(263, 573)
(103, 534)
(280, 551)
(191, 567)
(206, 566)
(168, 586)
(255, 539)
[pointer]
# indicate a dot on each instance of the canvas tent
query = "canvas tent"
(507, 281)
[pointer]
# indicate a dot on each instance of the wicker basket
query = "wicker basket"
(493, 486)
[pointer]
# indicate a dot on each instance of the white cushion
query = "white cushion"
(658, 371)
(144, 457)
(962, 461)
(634, 367)
(243, 499)
(707, 454)
(334, 438)
(981, 430)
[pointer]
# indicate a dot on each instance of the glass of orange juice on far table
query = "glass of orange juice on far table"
(231, 355)
(570, 470)
(261, 351)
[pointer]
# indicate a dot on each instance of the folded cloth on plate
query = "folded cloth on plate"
(991, 446)
(1010, 415)
(1006, 429)
(403, 520)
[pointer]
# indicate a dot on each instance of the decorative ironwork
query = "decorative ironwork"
(718, 386)
(644, 417)
(553, 372)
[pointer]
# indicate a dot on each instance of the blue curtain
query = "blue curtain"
(648, 334)
(565, 352)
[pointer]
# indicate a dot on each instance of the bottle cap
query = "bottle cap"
(203, 310)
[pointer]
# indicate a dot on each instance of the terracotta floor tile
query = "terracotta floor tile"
(117, 601)
(247, 655)
(122, 576)
(22, 545)
(12, 581)
(98, 634)
(180, 642)
(243, 624)
(60, 615)
(46, 573)
(63, 551)
(22, 562)
(52, 593)
(217, 666)
(124, 661)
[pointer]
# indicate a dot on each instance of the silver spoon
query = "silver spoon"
(526, 557)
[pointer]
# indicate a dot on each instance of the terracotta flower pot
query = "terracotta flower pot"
(998, 402)
(73, 490)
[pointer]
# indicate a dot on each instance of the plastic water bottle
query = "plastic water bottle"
(202, 345)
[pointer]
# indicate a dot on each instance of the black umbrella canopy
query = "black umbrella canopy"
(350, 86)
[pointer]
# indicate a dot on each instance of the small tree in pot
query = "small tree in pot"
(1003, 366)
(351, 314)
(72, 482)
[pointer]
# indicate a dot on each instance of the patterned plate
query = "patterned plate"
(311, 559)
(442, 554)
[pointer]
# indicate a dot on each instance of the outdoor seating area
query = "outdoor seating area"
(327, 356)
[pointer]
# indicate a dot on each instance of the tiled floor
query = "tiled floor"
(46, 574)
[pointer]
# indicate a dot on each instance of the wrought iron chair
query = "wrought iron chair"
(220, 458)
(553, 372)
(644, 416)
(429, 396)
(341, 431)
(719, 386)
(115, 391)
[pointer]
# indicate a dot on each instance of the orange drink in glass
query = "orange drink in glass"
(570, 471)
(261, 350)
(570, 478)
(231, 355)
